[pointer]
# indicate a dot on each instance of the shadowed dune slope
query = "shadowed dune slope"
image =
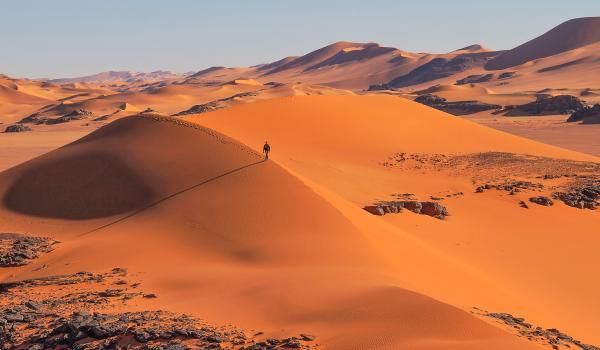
(567, 36)
(233, 239)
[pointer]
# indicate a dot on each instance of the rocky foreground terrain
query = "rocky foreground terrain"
(551, 336)
(532, 179)
(90, 311)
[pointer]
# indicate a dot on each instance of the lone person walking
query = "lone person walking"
(266, 150)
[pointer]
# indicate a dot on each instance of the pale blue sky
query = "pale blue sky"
(63, 38)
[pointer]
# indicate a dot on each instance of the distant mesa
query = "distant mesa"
(567, 36)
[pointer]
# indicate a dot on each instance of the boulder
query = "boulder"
(434, 209)
(17, 128)
(542, 200)
(587, 115)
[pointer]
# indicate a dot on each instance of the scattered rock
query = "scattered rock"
(545, 105)
(587, 115)
(17, 128)
(379, 87)
(542, 200)
(583, 197)
(512, 187)
(506, 75)
(456, 107)
(19, 250)
(475, 78)
(214, 105)
(432, 209)
(73, 318)
(551, 336)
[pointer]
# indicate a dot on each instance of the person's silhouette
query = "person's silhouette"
(266, 150)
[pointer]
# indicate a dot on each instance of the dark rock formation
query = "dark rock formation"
(542, 200)
(76, 318)
(512, 187)
(584, 197)
(443, 67)
(457, 107)
(37, 118)
(77, 114)
(587, 115)
(550, 336)
(379, 87)
(18, 250)
(17, 128)
(214, 105)
(197, 109)
(545, 105)
(34, 118)
(475, 78)
(506, 75)
(432, 209)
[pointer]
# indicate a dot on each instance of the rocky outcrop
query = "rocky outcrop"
(379, 87)
(475, 78)
(441, 67)
(43, 314)
(19, 250)
(542, 200)
(457, 107)
(511, 187)
(506, 75)
(197, 109)
(432, 209)
(584, 197)
(214, 105)
(550, 336)
(17, 128)
(77, 114)
(586, 115)
(547, 105)
(37, 118)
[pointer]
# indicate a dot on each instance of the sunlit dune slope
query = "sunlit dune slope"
(567, 36)
(337, 145)
(217, 232)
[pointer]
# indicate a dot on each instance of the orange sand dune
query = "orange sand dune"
(567, 36)
(217, 232)
(336, 144)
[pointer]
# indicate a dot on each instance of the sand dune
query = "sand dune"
(569, 35)
(343, 162)
(277, 249)
(187, 206)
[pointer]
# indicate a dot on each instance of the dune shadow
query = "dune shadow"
(166, 198)
(78, 187)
